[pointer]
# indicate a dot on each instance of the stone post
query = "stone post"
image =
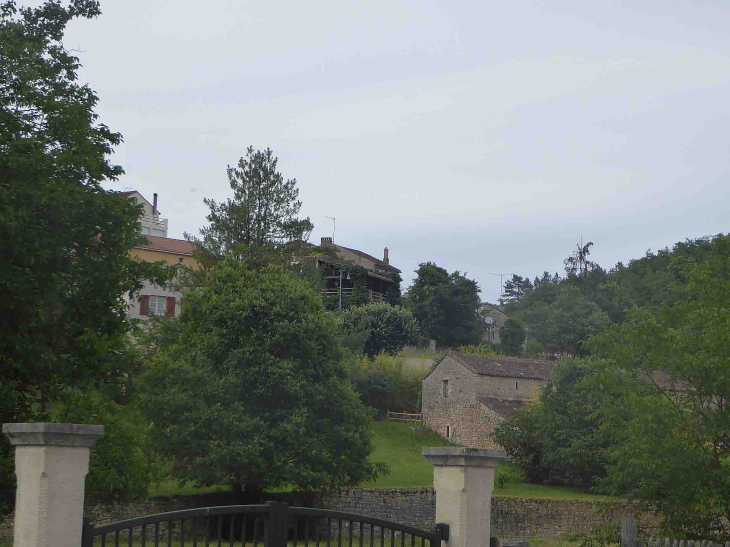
(51, 462)
(464, 480)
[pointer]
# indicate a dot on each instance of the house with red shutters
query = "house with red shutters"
(154, 299)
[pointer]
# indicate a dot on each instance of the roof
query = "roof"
(168, 245)
(377, 261)
(504, 407)
(507, 367)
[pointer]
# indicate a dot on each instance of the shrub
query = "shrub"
(119, 467)
(384, 385)
(483, 350)
(389, 328)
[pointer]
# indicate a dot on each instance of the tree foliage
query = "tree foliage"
(516, 288)
(260, 220)
(512, 336)
(388, 329)
(558, 440)
(674, 426)
(64, 240)
(446, 306)
(254, 390)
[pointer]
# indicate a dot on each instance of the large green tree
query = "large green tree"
(254, 391)
(64, 240)
(446, 306)
(673, 420)
(261, 219)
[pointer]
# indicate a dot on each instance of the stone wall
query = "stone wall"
(511, 517)
(469, 422)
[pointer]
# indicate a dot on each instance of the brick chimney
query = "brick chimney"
(385, 256)
(326, 241)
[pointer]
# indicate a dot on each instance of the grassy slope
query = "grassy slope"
(400, 447)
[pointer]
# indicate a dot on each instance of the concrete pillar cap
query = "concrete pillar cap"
(53, 434)
(464, 456)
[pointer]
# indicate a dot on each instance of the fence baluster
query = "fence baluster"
(103, 540)
(339, 532)
(220, 529)
(157, 534)
(306, 532)
(206, 523)
(329, 532)
(170, 528)
(195, 532)
(144, 535)
(382, 537)
(116, 538)
(352, 533)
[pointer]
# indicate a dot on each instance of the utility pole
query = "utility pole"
(501, 284)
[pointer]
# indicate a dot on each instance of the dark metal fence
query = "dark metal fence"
(270, 525)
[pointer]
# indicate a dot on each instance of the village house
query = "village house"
(493, 318)
(334, 258)
(154, 299)
(466, 396)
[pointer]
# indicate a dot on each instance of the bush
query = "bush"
(483, 350)
(384, 385)
(389, 328)
(119, 467)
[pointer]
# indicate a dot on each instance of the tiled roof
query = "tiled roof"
(168, 245)
(507, 367)
(370, 257)
(503, 407)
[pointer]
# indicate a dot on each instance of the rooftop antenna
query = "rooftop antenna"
(501, 284)
(333, 227)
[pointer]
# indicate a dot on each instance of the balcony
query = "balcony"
(373, 297)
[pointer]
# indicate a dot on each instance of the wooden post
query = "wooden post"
(628, 532)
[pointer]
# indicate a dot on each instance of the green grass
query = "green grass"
(399, 445)
(400, 448)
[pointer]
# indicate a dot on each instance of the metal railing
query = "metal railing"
(271, 525)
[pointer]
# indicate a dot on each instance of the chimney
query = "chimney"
(385, 256)
(326, 241)
(154, 203)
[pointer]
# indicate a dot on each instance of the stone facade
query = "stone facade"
(493, 319)
(465, 399)
(510, 517)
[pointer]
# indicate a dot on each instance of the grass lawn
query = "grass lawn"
(400, 447)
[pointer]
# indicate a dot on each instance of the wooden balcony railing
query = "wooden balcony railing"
(374, 297)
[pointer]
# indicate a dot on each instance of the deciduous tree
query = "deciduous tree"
(446, 306)
(64, 240)
(254, 393)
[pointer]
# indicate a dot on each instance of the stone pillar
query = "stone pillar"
(464, 480)
(51, 462)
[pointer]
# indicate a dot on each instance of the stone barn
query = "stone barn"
(466, 396)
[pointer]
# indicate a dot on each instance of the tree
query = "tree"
(577, 264)
(64, 240)
(446, 306)
(515, 288)
(254, 392)
(673, 420)
(512, 336)
(565, 324)
(558, 440)
(389, 328)
(260, 221)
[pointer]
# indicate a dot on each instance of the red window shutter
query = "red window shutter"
(144, 304)
(171, 306)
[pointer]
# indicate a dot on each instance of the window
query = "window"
(445, 389)
(517, 385)
(448, 432)
(157, 305)
(180, 260)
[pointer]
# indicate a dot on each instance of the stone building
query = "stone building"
(493, 318)
(466, 396)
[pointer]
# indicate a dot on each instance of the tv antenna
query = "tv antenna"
(501, 284)
(333, 227)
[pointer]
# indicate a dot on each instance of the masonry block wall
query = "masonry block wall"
(458, 415)
(510, 517)
(439, 411)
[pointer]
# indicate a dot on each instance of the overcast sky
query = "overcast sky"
(488, 137)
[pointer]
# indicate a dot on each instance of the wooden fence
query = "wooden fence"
(404, 417)
(628, 539)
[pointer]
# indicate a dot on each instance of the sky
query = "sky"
(487, 137)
